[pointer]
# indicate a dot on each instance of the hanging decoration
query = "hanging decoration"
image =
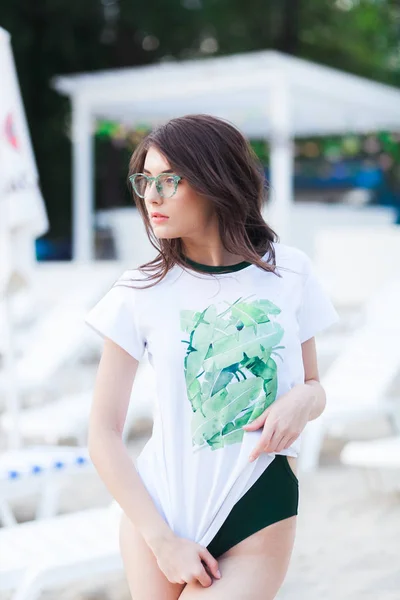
(351, 145)
(121, 135)
(382, 148)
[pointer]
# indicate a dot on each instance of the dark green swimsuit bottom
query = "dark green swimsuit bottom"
(273, 497)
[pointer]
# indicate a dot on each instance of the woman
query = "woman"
(228, 317)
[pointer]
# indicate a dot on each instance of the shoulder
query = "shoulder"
(139, 283)
(131, 278)
(292, 259)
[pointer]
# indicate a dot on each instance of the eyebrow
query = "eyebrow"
(166, 171)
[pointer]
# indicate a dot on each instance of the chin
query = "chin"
(162, 233)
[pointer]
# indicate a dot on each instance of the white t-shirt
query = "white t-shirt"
(223, 347)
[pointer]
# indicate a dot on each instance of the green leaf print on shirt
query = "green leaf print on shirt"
(230, 372)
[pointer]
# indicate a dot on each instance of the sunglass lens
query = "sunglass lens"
(167, 185)
(139, 184)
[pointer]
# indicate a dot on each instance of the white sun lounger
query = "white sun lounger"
(54, 339)
(69, 415)
(358, 380)
(39, 470)
(378, 460)
(39, 555)
(348, 267)
(60, 334)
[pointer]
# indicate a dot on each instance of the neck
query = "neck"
(228, 268)
(213, 257)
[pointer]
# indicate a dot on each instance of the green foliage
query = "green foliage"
(231, 377)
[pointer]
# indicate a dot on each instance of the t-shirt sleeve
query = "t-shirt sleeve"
(116, 317)
(316, 311)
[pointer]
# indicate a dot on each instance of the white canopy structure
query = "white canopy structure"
(264, 93)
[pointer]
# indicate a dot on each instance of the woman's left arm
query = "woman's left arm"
(284, 420)
(316, 394)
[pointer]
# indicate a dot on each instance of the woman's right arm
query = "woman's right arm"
(112, 391)
(178, 558)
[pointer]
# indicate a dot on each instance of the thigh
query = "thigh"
(255, 568)
(146, 581)
(292, 462)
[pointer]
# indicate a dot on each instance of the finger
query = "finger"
(271, 444)
(274, 442)
(211, 562)
(254, 425)
(283, 444)
(291, 441)
(257, 451)
(203, 577)
(266, 444)
(257, 423)
(266, 441)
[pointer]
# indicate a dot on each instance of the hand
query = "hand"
(283, 421)
(181, 561)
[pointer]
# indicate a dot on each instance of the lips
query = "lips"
(158, 218)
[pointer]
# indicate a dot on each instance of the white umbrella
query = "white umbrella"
(22, 210)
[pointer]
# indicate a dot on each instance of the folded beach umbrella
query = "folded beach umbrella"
(22, 211)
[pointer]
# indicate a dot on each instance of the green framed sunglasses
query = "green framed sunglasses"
(166, 184)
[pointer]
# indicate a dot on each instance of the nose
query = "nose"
(152, 194)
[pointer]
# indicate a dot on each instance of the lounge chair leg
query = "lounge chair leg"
(6, 515)
(82, 439)
(30, 587)
(49, 501)
(313, 436)
(394, 422)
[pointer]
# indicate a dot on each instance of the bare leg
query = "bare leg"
(254, 568)
(293, 464)
(146, 581)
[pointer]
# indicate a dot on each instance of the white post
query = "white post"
(6, 271)
(82, 181)
(13, 395)
(280, 203)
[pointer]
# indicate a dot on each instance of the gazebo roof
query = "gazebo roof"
(322, 100)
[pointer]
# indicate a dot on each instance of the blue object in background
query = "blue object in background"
(343, 175)
(47, 249)
(339, 175)
(369, 178)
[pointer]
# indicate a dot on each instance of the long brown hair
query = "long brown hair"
(218, 162)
